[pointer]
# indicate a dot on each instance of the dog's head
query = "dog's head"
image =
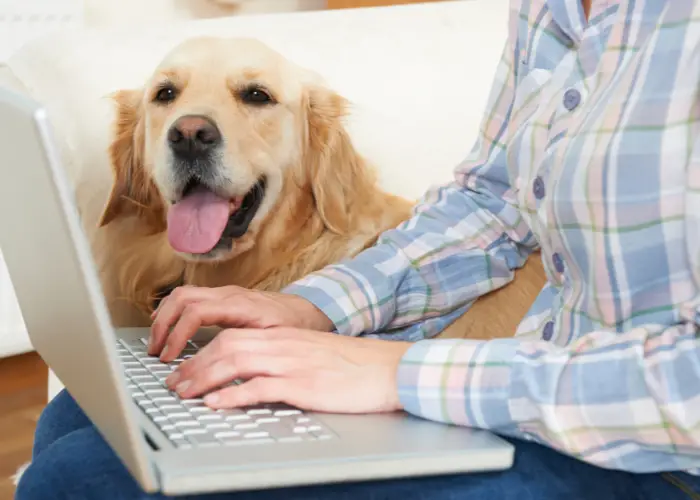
(205, 148)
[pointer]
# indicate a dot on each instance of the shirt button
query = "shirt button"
(538, 188)
(547, 331)
(572, 98)
(558, 262)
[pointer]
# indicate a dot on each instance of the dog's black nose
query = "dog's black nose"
(191, 137)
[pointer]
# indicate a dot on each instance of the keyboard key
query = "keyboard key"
(227, 434)
(255, 435)
(210, 416)
(179, 414)
(157, 390)
(193, 402)
(267, 420)
(186, 424)
(151, 360)
(165, 399)
(190, 432)
(136, 371)
(216, 425)
(159, 369)
(287, 413)
(246, 426)
(259, 411)
(236, 418)
(133, 343)
(170, 407)
(151, 385)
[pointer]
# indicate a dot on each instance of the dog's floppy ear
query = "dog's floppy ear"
(337, 173)
(133, 191)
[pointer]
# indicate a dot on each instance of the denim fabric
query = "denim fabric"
(72, 461)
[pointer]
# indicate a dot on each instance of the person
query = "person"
(588, 152)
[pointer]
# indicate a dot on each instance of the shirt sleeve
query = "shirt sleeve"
(464, 240)
(625, 401)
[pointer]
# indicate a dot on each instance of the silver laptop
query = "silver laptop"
(172, 445)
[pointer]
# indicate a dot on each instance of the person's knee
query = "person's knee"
(40, 481)
(78, 465)
(61, 416)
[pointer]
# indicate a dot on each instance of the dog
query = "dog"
(232, 166)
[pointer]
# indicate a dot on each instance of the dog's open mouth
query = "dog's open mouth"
(202, 219)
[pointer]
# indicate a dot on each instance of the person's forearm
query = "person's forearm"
(450, 253)
(463, 241)
(628, 401)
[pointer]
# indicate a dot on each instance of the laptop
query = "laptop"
(171, 445)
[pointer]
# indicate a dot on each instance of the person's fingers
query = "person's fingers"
(194, 316)
(227, 370)
(238, 344)
(255, 391)
(170, 310)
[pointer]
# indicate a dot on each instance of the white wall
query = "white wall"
(13, 334)
(103, 12)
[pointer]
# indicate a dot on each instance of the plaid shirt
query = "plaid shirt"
(589, 150)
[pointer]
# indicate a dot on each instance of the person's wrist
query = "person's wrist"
(310, 316)
(395, 352)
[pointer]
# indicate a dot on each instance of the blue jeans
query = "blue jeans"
(72, 461)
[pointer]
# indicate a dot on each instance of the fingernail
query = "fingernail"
(182, 386)
(211, 399)
(172, 379)
(164, 352)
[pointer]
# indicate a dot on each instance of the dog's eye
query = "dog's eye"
(165, 95)
(256, 95)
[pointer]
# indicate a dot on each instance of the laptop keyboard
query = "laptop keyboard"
(189, 422)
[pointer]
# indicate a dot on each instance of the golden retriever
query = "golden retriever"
(232, 166)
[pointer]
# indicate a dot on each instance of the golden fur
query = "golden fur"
(323, 203)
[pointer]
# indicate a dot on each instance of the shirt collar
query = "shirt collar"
(569, 16)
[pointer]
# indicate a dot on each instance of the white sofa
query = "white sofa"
(418, 77)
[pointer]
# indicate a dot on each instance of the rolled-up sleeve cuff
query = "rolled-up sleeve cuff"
(464, 382)
(337, 294)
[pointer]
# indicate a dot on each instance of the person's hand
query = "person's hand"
(188, 308)
(315, 371)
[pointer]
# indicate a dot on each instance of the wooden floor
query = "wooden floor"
(23, 386)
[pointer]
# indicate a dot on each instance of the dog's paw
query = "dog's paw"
(18, 475)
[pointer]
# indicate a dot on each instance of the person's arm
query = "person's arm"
(627, 401)
(463, 241)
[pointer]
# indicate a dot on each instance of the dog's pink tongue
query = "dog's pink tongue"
(196, 223)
